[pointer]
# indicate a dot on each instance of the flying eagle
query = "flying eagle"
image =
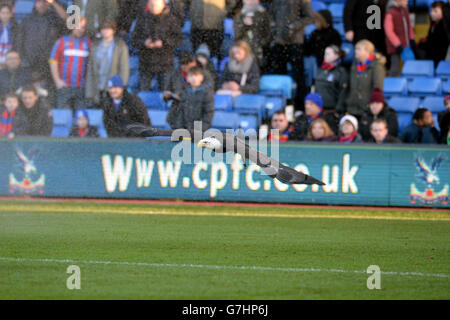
(225, 142)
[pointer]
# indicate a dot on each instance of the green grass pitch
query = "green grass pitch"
(141, 251)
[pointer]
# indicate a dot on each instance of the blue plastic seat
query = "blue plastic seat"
(418, 68)
(62, 122)
(152, 99)
(186, 31)
(309, 29)
(249, 122)
(443, 70)
(270, 82)
(134, 63)
(22, 8)
(337, 10)
(318, 5)
(349, 50)
(271, 105)
(133, 82)
(96, 119)
(404, 104)
(158, 119)
(446, 87)
(249, 104)
(421, 87)
(395, 87)
(225, 120)
(404, 120)
(434, 104)
(223, 102)
(228, 24)
(341, 29)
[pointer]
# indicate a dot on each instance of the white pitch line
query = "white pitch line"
(217, 267)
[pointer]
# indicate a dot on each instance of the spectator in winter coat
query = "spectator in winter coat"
(399, 33)
(319, 131)
(241, 73)
(332, 80)
(444, 120)
(196, 103)
(422, 129)
(14, 75)
(279, 122)
(36, 114)
(157, 34)
(252, 25)
(380, 133)
(82, 129)
(8, 119)
(202, 55)
(324, 36)
(119, 104)
(348, 130)
(8, 32)
(435, 45)
(108, 56)
(378, 109)
(366, 73)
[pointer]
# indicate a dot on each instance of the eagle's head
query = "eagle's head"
(210, 143)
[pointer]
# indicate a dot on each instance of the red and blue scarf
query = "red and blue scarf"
(6, 123)
(363, 66)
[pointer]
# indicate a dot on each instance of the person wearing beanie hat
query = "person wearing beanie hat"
(119, 104)
(313, 111)
(325, 35)
(348, 129)
(378, 109)
(82, 129)
(444, 120)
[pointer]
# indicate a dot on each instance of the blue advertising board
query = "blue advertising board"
(354, 174)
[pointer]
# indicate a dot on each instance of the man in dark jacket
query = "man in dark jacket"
(35, 116)
(119, 104)
(378, 109)
(157, 34)
(14, 75)
(313, 111)
(444, 120)
(422, 129)
(289, 19)
(380, 134)
(196, 103)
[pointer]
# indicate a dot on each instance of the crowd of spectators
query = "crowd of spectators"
(46, 65)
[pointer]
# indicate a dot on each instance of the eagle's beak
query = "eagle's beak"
(201, 144)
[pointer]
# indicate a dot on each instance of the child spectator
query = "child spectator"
(378, 109)
(8, 31)
(279, 122)
(14, 75)
(36, 114)
(422, 129)
(319, 131)
(348, 130)
(366, 73)
(444, 120)
(202, 55)
(399, 35)
(324, 36)
(156, 36)
(380, 134)
(241, 73)
(82, 129)
(252, 25)
(196, 103)
(435, 45)
(9, 119)
(313, 111)
(332, 80)
(109, 56)
(120, 104)
(68, 64)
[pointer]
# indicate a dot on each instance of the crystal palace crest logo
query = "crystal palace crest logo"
(428, 176)
(30, 182)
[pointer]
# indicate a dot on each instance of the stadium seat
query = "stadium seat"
(404, 104)
(446, 87)
(418, 68)
(228, 24)
(133, 82)
(152, 99)
(434, 104)
(318, 5)
(404, 120)
(310, 69)
(249, 104)
(443, 70)
(271, 105)
(186, 31)
(134, 63)
(349, 50)
(249, 122)
(341, 29)
(225, 120)
(421, 87)
(62, 122)
(395, 87)
(309, 29)
(337, 10)
(22, 8)
(158, 119)
(223, 102)
(223, 63)
(270, 82)
(96, 119)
